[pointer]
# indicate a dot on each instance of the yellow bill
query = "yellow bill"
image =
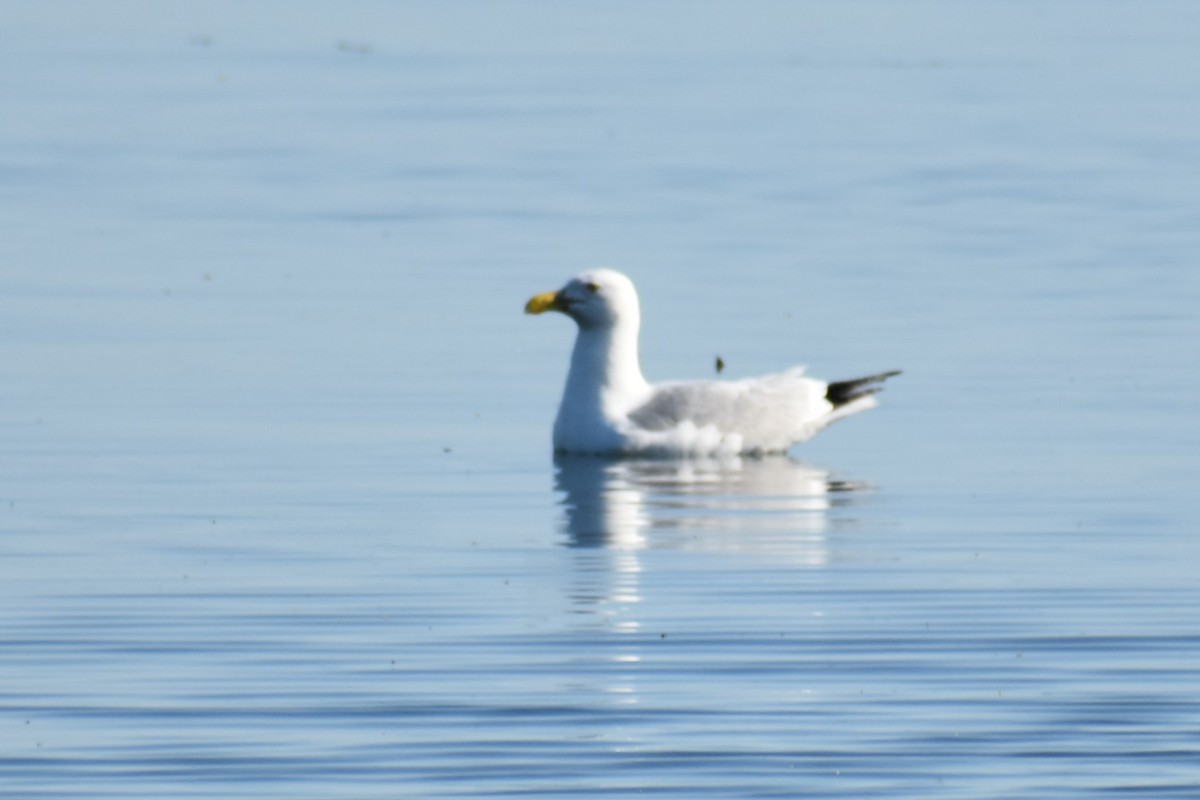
(546, 301)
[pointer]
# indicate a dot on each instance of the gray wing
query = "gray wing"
(768, 412)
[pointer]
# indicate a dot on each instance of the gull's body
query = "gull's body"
(609, 408)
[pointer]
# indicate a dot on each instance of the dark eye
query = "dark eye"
(592, 287)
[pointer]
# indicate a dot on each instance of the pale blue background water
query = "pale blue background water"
(278, 516)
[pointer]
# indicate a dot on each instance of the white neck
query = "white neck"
(605, 377)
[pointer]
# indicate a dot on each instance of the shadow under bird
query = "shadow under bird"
(608, 407)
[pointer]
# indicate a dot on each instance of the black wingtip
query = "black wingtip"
(842, 392)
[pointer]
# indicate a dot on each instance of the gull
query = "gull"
(608, 407)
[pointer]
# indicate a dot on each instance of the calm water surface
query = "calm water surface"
(278, 516)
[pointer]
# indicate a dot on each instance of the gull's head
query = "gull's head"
(598, 299)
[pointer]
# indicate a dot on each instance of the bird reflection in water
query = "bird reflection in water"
(616, 511)
(774, 506)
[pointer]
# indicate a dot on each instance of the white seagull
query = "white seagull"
(608, 408)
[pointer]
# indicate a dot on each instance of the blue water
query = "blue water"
(278, 516)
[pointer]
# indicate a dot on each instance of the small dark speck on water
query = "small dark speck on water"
(347, 46)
